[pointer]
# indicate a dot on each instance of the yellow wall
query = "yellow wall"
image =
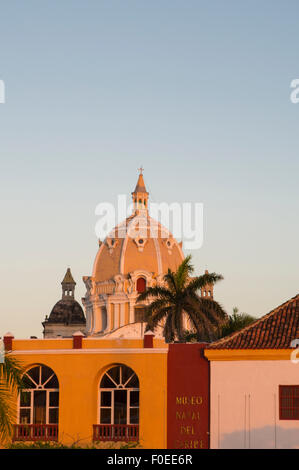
(248, 354)
(79, 373)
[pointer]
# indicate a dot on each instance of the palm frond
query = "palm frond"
(214, 307)
(7, 410)
(11, 370)
(170, 280)
(179, 295)
(11, 382)
(153, 319)
(201, 281)
(235, 322)
(156, 305)
(183, 271)
(204, 328)
(156, 291)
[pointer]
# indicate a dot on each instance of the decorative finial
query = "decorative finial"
(141, 170)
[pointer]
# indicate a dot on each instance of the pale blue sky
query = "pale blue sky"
(195, 91)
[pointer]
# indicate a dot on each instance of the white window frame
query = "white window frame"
(117, 387)
(38, 387)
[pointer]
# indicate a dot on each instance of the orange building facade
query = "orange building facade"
(85, 390)
(97, 375)
(76, 404)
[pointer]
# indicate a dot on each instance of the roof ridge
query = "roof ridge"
(265, 317)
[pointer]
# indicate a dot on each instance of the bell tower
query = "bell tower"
(68, 285)
(208, 290)
(140, 194)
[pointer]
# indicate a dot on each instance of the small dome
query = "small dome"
(67, 311)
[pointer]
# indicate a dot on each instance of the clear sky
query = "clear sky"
(198, 92)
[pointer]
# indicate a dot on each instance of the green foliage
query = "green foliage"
(236, 322)
(11, 382)
(59, 445)
(190, 337)
(178, 295)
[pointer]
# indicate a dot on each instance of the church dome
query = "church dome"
(131, 246)
(126, 254)
(135, 255)
(67, 311)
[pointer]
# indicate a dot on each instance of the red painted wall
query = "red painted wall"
(188, 401)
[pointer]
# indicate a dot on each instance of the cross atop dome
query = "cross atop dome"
(140, 194)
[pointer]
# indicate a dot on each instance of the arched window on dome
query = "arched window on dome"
(140, 285)
(38, 405)
(119, 405)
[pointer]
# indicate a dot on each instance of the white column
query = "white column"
(108, 307)
(97, 319)
(132, 314)
(116, 315)
(122, 314)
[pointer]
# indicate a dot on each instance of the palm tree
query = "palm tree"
(236, 322)
(178, 296)
(11, 382)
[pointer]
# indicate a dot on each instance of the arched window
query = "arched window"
(39, 402)
(119, 396)
(140, 285)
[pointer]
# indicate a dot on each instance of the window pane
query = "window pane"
(34, 374)
(134, 415)
(120, 407)
(286, 391)
(39, 407)
(289, 402)
(105, 415)
(127, 374)
(296, 402)
(286, 413)
(46, 373)
(107, 383)
(114, 374)
(105, 398)
(54, 398)
(53, 415)
(28, 382)
(25, 399)
(286, 402)
(25, 416)
(53, 383)
(134, 398)
(134, 382)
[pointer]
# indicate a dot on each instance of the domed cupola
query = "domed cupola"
(136, 254)
(67, 315)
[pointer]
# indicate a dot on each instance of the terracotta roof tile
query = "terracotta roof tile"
(275, 330)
